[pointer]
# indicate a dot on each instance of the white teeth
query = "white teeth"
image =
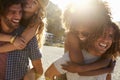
(103, 45)
(17, 21)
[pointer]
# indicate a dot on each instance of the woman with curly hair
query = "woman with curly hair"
(91, 45)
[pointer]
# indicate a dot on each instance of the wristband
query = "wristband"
(12, 39)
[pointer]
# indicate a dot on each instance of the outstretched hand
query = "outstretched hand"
(71, 67)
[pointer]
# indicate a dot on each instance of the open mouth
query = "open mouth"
(103, 46)
(15, 23)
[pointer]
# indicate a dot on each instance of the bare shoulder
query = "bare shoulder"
(74, 48)
(71, 37)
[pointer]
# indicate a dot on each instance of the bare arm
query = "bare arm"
(5, 37)
(96, 72)
(37, 64)
(29, 33)
(108, 69)
(73, 67)
(74, 48)
(17, 45)
(6, 48)
(96, 65)
(20, 42)
(36, 72)
(77, 57)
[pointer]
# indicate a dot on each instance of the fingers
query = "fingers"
(20, 43)
(23, 40)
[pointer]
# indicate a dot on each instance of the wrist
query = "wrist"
(12, 39)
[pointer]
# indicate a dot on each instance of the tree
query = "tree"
(54, 21)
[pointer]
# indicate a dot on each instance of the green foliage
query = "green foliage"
(54, 21)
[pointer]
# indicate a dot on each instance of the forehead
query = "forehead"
(15, 7)
(109, 30)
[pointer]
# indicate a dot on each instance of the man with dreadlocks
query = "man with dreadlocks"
(92, 40)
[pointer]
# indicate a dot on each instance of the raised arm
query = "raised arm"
(74, 48)
(29, 32)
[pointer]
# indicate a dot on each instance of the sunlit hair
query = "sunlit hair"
(100, 16)
(39, 20)
(75, 13)
(42, 14)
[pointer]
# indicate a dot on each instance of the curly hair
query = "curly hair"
(100, 14)
(5, 4)
(114, 50)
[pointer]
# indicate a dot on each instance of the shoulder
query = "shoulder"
(72, 37)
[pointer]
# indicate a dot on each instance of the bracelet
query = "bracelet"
(12, 39)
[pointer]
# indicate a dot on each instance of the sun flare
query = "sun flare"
(114, 5)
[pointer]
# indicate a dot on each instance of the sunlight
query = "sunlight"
(114, 5)
(63, 3)
(83, 4)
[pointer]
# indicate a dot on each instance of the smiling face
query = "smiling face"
(30, 7)
(104, 42)
(12, 18)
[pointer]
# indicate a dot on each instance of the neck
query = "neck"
(93, 52)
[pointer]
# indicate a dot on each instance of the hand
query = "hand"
(71, 67)
(19, 43)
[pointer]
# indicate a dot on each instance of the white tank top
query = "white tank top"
(88, 58)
